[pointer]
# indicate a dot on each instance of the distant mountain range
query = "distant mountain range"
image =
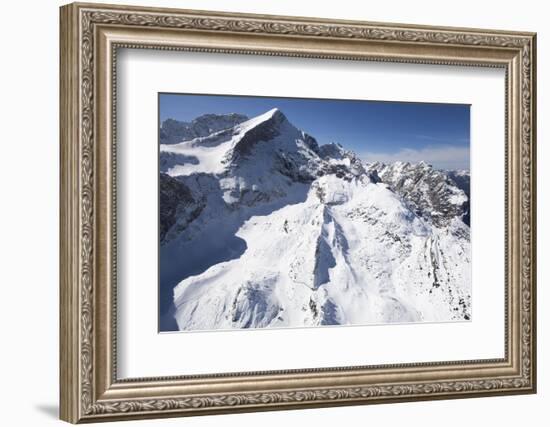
(260, 226)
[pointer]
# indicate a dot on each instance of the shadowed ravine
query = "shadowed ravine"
(218, 243)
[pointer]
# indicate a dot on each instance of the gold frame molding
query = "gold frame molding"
(90, 37)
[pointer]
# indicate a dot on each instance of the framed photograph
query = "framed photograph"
(267, 212)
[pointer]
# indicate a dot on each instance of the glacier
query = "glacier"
(260, 226)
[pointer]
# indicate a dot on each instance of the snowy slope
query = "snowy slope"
(279, 232)
(431, 193)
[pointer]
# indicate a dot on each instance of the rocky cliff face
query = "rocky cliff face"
(178, 207)
(438, 196)
(262, 227)
(175, 131)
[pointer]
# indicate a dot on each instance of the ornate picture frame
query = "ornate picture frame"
(91, 34)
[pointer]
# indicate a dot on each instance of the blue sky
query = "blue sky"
(387, 131)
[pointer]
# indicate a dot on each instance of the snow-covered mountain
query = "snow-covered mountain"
(430, 193)
(262, 227)
(174, 131)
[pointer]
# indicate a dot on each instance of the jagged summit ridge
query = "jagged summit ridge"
(262, 128)
(270, 229)
(434, 194)
(174, 131)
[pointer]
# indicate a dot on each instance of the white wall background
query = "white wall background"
(29, 170)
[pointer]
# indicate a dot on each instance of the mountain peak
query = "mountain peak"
(274, 115)
(264, 127)
(274, 111)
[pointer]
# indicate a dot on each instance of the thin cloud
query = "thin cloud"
(441, 157)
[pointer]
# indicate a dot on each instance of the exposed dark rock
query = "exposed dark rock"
(373, 175)
(462, 181)
(168, 160)
(310, 142)
(176, 204)
(430, 193)
(175, 131)
(332, 151)
(264, 131)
